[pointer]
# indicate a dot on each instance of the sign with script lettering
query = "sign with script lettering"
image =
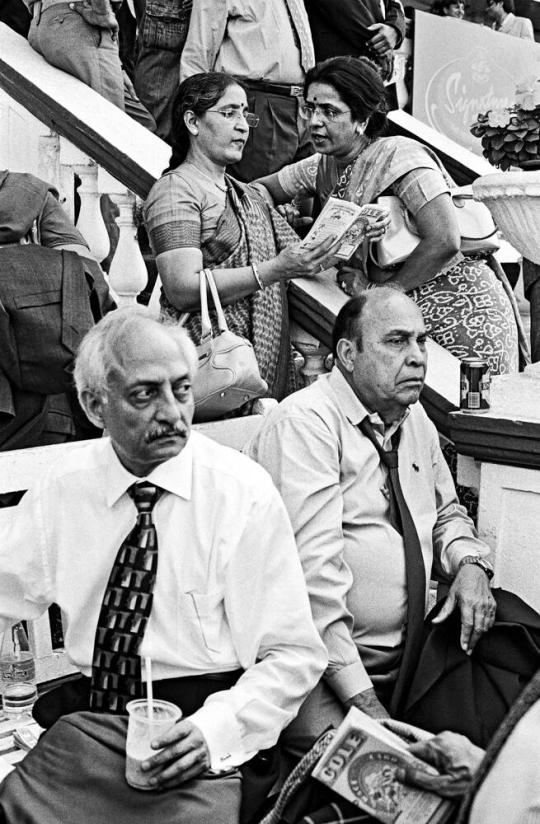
(461, 69)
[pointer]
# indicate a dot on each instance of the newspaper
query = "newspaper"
(360, 764)
(346, 221)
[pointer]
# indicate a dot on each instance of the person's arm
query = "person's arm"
(440, 242)
(527, 31)
(302, 457)
(454, 537)
(179, 271)
(26, 585)
(271, 189)
(297, 180)
(207, 27)
(174, 217)
(267, 610)
(388, 35)
(454, 756)
(58, 232)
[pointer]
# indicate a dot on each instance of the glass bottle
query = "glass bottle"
(16, 658)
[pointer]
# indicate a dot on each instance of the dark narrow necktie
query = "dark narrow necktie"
(414, 571)
(116, 664)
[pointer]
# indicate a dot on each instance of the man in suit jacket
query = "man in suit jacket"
(362, 28)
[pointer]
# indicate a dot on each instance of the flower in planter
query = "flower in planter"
(511, 136)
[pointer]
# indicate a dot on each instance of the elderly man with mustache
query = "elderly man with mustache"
(207, 583)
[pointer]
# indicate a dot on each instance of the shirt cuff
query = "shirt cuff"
(221, 732)
(349, 681)
(461, 549)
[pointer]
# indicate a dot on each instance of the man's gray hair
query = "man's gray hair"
(100, 350)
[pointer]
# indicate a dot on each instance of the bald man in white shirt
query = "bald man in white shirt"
(351, 538)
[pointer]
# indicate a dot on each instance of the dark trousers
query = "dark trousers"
(189, 693)
(280, 138)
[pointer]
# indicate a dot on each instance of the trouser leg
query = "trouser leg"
(275, 141)
(68, 42)
(320, 710)
(156, 81)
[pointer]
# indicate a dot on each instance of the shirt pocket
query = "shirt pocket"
(209, 614)
(165, 24)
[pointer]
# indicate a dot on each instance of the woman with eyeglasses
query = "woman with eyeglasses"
(468, 307)
(199, 217)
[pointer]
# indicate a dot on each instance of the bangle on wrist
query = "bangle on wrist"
(257, 276)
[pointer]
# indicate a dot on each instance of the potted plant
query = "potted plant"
(511, 136)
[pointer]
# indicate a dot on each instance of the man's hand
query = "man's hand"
(454, 756)
(384, 38)
(368, 702)
(185, 756)
(471, 592)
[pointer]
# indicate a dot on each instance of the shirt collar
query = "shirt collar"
(355, 411)
(508, 22)
(174, 475)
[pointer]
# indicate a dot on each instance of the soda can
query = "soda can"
(474, 385)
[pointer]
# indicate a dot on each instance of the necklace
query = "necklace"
(221, 186)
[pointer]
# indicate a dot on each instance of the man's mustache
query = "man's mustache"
(164, 430)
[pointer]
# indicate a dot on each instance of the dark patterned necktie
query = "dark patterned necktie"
(414, 571)
(116, 665)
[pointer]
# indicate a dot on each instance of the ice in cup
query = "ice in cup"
(142, 729)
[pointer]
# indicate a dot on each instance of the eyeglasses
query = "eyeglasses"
(324, 111)
(235, 114)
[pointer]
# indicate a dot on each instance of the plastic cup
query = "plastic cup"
(141, 731)
(18, 698)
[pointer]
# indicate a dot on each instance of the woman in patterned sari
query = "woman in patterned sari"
(468, 306)
(198, 217)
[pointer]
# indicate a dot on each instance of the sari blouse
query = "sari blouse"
(182, 210)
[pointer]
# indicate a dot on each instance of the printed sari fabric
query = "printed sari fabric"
(469, 307)
(250, 232)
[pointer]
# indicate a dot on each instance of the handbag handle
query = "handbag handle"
(206, 276)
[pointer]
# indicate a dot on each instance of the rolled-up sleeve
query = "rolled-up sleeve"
(454, 534)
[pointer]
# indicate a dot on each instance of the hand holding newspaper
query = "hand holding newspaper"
(361, 763)
(346, 221)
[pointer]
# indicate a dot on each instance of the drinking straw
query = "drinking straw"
(149, 688)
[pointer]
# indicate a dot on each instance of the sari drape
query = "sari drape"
(249, 231)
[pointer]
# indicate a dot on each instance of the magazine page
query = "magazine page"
(361, 763)
(344, 220)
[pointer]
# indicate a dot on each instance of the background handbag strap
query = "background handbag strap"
(206, 276)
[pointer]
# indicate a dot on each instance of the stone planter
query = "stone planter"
(513, 199)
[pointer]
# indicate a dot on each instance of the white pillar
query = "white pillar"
(90, 222)
(127, 274)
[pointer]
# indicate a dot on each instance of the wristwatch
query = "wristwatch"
(474, 559)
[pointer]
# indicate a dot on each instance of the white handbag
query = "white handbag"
(228, 374)
(401, 237)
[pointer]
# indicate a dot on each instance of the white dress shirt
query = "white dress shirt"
(517, 27)
(229, 591)
(251, 39)
(335, 489)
